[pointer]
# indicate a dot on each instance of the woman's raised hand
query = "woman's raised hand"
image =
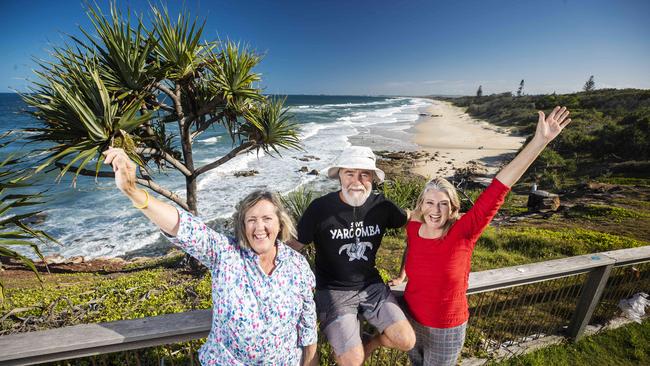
(549, 127)
(164, 215)
(123, 168)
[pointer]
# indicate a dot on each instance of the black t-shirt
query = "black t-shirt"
(347, 238)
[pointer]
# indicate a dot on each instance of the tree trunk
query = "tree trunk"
(188, 159)
(190, 186)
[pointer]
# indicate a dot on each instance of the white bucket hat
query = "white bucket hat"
(356, 157)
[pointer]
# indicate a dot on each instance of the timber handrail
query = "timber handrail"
(93, 339)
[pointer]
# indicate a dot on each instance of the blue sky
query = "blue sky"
(386, 47)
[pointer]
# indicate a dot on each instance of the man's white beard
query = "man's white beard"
(355, 199)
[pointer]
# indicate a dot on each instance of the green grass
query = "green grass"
(485, 258)
(627, 345)
(617, 214)
(101, 298)
(505, 247)
(625, 181)
(643, 205)
(543, 244)
(81, 298)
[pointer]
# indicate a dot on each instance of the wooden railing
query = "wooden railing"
(94, 339)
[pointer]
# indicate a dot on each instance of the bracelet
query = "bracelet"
(146, 201)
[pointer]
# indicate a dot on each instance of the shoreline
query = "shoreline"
(445, 139)
(456, 140)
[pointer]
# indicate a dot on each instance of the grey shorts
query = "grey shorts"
(339, 311)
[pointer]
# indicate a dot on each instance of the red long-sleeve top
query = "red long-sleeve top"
(438, 269)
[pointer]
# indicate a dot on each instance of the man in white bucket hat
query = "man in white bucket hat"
(346, 228)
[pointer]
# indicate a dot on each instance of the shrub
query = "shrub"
(403, 191)
(550, 169)
(297, 201)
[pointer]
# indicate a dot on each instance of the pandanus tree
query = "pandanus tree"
(124, 83)
(17, 208)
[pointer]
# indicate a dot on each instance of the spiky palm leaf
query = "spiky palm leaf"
(125, 55)
(13, 231)
(233, 77)
(230, 79)
(269, 125)
(297, 201)
(80, 114)
(179, 44)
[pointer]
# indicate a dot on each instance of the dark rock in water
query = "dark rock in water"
(303, 169)
(313, 172)
(246, 173)
(308, 158)
(404, 155)
(543, 201)
(395, 155)
(37, 219)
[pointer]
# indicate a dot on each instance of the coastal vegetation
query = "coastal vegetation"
(590, 84)
(599, 167)
(151, 90)
(609, 138)
(15, 230)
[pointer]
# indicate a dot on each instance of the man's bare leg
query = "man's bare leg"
(352, 357)
(399, 335)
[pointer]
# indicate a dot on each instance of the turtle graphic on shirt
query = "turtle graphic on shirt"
(356, 250)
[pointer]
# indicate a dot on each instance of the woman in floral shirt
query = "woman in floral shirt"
(263, 307)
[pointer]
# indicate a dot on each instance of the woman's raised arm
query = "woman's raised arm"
(547, 129)
(164, 215)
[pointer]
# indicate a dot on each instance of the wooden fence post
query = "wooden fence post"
(591, 294)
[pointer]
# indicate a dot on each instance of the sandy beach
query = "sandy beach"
(458, 138)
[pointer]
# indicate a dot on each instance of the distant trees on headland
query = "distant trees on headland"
(590, 85)
(609, 135)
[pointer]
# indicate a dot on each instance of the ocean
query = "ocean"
(94, 219)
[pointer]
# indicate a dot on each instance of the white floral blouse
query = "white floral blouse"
(257, 319)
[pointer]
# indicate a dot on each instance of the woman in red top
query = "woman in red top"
(439, 250)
